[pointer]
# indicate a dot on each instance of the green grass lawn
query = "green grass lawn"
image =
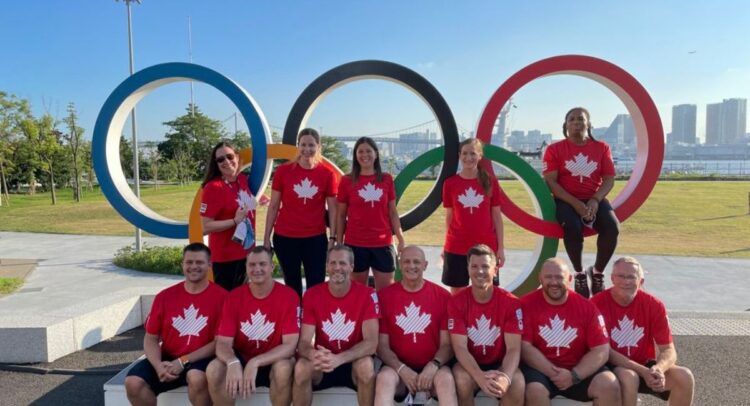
(8, 285)
(693, 218)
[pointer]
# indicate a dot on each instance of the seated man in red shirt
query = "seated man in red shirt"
(184, 317)
(339, 333)
(414, 343)
(257, 336)
(638, 324)
(485, 324)
(565, 343)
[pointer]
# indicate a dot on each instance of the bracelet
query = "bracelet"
(331, 238)
(236, 361)
(505, 375)
(234, 221)
(181, 364)
(437, 362)
(398, 371)
(576, 378)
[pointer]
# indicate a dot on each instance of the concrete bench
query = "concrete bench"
(114, 395)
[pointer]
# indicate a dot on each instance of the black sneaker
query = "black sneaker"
(597, 280)
(582, 284)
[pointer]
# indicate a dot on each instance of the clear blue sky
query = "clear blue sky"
(55, 52)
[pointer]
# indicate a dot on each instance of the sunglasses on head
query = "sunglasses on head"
(222, 158)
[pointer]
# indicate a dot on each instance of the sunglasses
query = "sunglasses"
(224, 158)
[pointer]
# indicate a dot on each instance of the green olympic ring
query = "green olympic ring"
(546, 247)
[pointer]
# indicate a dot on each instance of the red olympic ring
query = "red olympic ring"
(648, 128)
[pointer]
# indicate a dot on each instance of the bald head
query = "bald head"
(555, 265)
(412, 250)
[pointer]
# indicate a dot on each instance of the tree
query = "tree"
(74, 138)
(88, 164)
(193, 134)
(11, 112)
(45, 140)
(332, 150)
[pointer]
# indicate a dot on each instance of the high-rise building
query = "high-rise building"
(726, 122)
(683, 124)
(621, 132)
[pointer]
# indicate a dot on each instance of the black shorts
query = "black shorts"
(263, 377)
(229, 275)
(341, 376)
(381, 259)
(495, 366)
(579, 391)
(144, 370)
(455, 270)
(643, 387)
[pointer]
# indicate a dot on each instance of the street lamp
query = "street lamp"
(136, 172)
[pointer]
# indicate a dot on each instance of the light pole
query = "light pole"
(136, 172)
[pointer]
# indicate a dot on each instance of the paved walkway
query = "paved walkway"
(75, 268)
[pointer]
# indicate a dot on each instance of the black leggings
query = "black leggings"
(606, 225)
(293, 253)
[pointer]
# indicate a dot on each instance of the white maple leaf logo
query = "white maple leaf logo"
(305, 189)
(557, 335)
(627, 334)
(470, 199)
(580, 166)
(371, 194)
(257, 328)
(191, 324)
(412, 322)
(484, 334)
(338, 329)
(246, 201)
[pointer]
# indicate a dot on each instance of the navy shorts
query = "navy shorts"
(144, 370)
(643, 387)
(382, 259)
(341, 376)
(579, 391)
(263, 377)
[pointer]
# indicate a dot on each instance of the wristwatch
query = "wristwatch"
(436, 362)
(576, 378)
(184, 361)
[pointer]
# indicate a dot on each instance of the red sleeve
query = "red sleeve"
(391, 187)
(550, 163)
(596, 334)
(210, 201)
(608, 164)
(155, 316)
(447, 198)
(228, 323)
(344, 186)
(456, 317)
(383, 325)
(333, 184)
(371, 308)
(290, 324)
(278, 178)
(513, 317)
(444, 300)
(495, 199)
(308, 309)
(528, 326)
(661, 331)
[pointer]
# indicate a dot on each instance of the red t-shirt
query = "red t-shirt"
(485, 323)
(219, 201)
(368, 220)
(563, 333)
(338, 320)
(413, 320)
(472, 214)
(303, 199)
(184, 321)
(257, 325)
(634, 329)
(579, 167)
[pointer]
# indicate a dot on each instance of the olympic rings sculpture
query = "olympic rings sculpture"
(649, 142)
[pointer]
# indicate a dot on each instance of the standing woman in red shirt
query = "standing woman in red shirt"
(227, 210)
(301, 190)
(472, 215)
(367, 217)
(580, 172)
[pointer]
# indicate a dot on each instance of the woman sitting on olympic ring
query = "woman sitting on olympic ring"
(472, 215)
(227, 215)
(580, 173)
(301, 190)
(367, 217)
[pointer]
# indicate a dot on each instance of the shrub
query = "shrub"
(8, 285)
(163, 260)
